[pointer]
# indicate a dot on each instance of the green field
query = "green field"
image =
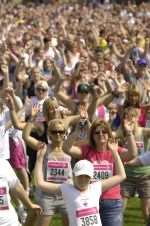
(133, 215)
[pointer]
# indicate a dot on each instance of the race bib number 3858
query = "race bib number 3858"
(88, 217)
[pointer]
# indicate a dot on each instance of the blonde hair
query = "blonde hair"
(42, 83)
(53, 124)
(48, 104)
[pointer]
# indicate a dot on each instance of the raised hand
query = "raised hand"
(83, 111)
(113, 145)
(9, 91)
(42, 148)
(127, 126)
(34, 111)
(9, 102)
(4, 69)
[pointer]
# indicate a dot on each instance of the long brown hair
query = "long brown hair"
(95, 124)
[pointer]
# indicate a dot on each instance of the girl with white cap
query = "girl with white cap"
(81, 197)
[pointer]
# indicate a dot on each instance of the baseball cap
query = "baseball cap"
(83, 167)
(83, 88)
(142, 62)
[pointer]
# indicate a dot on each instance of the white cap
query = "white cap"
(83, 167)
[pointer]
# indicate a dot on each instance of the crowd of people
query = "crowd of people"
(74, 112)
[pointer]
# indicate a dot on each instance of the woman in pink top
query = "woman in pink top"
(98, 153)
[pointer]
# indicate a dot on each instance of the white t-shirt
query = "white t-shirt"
(8, 179)
(82, 207)
(32, 102)
(4, 134)
(145, 158)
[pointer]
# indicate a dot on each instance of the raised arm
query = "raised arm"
(69, 146)
(38, 173)
(132, 151)
(119, 168)
(31, 141)
(15, 116)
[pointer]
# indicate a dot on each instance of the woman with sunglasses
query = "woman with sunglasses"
(82, 197)
(97, 151)
(57, 169)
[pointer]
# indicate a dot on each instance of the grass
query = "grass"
(133, 215)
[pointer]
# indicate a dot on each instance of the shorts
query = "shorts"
(51, 204)
(132, 185)
(17, 155)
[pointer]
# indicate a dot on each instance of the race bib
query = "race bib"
(57, 171)
(3, 199)
(88, 217)
(140, 147)
(102, 171)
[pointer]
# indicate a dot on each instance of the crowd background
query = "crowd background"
(86, 63)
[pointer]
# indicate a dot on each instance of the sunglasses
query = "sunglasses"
(83, 91)
(57, 131)
(113, 112)
(102, 131)
(41, 89)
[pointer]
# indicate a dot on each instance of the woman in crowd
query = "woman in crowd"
(9, 184)
(97, 151)
(138, 176)
(81, 197)
(57, 169)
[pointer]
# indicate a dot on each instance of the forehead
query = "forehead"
(53, 104)
(57, 126)
(99, 127)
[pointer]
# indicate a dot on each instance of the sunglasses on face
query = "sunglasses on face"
(41, 89)
(113, 112)
(102, 131)
(57, 131)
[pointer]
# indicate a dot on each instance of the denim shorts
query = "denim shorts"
(111, 212)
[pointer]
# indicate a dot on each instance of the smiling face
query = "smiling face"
(100, 135)
(100, 132)
(56, 131)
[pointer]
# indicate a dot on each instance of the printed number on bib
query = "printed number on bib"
(57, 171)
(89, 220)
(88, 217)
(3, 199)
(101, 175)
(102, 171)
